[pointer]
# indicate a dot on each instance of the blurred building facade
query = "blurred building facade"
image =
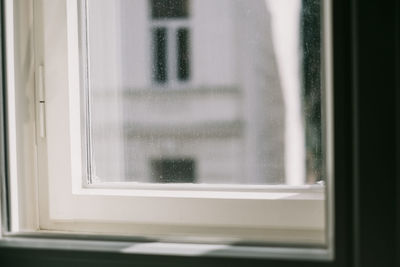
(185, 91)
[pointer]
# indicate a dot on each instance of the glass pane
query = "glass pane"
(230, 94)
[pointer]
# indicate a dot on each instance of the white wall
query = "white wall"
(214, 46)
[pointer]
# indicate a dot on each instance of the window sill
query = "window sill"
(40, 241)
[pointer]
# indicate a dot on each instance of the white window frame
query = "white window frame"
(62, 203)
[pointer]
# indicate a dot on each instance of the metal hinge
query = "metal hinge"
(40, 102)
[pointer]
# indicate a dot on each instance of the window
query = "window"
(210, 161)
(160, 54)
(171, 41)
(169, 9)
(174, 170)
(183, 54)
(360, 240)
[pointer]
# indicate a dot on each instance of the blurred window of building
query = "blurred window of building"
(170, 9)
(171, 41)
(174, 170)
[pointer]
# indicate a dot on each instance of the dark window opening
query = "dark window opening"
(183, 54)
(160, 54)
(174, 170)
(169, 8)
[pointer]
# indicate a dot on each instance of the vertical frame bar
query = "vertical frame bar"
(5, 208)
(85, 83)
